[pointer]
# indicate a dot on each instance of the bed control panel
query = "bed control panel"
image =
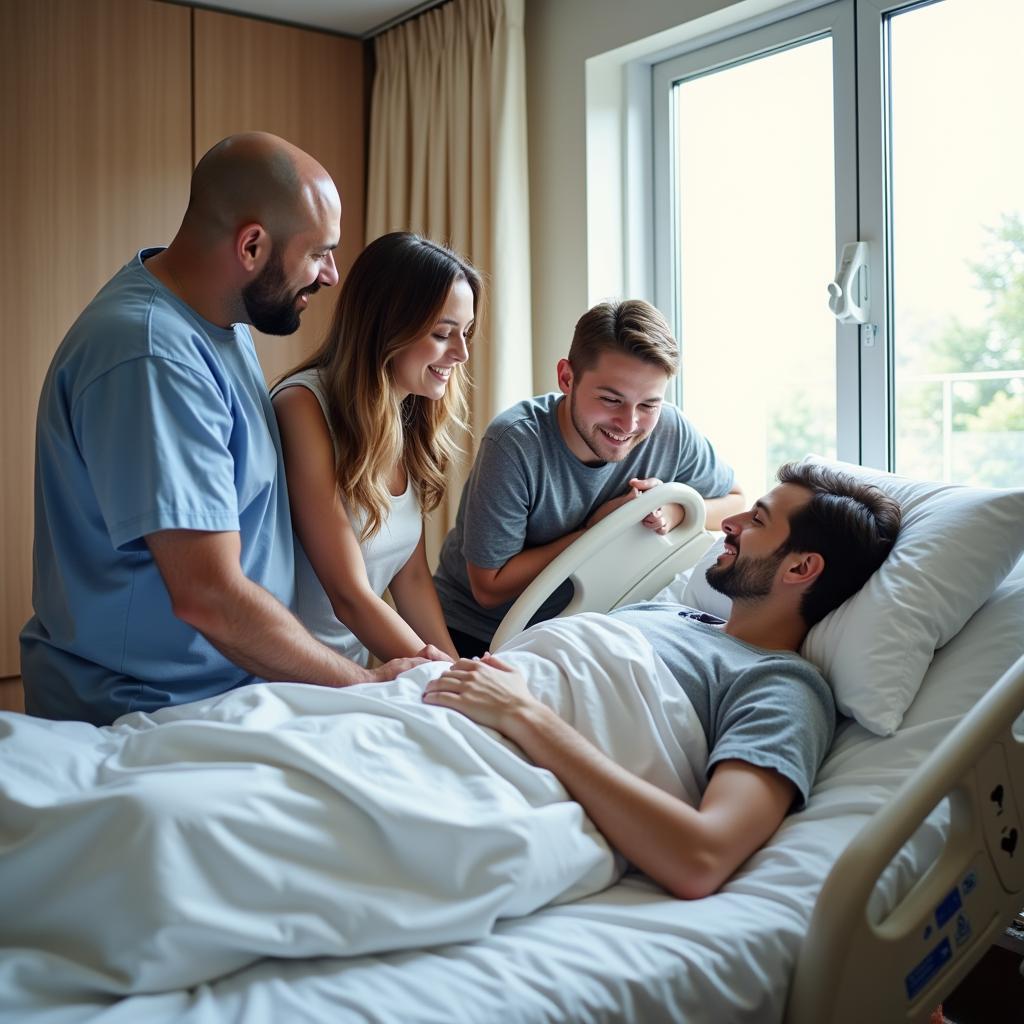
(968, 913)
(1001, 822)
(962, 919)
(950, 928)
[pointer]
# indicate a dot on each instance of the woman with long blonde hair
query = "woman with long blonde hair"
(366, 428)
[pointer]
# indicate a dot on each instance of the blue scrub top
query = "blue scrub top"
(151, 418)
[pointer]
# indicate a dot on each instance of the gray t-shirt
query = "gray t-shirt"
(527, 489)
(772, 709)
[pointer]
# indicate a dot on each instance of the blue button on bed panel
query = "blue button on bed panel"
(948, 907)
(928, 968)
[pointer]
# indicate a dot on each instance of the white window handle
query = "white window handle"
(848, 293)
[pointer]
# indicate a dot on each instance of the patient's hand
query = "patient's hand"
(487, 690)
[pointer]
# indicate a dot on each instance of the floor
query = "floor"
(992, 993)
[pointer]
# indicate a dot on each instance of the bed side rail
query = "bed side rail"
(850, 970)
(617, 560)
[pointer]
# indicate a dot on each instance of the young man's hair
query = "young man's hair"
(632, 326)
(851, 524)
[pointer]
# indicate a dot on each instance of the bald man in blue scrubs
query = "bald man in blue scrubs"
(163, 558)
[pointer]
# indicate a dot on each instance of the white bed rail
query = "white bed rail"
(851, 970)
(617, 560)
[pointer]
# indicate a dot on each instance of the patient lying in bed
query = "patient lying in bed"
(283, 820)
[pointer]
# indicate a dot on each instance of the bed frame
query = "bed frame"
(639, 561)
(851, 969)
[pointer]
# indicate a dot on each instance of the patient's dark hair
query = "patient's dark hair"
(851, 524)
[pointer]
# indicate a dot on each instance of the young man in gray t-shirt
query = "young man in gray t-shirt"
(551, 466)
(767, 714)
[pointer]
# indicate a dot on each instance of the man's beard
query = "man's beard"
(589, 439)
(268, 305)
(745, 581)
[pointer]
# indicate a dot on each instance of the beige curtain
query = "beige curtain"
(448, 160)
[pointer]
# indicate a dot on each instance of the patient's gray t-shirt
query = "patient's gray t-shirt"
(772, 709)
(527, 489)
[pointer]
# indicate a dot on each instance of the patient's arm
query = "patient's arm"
(246, 623)
(690, 851)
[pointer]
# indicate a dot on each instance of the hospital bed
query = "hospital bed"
(915, 952)
(870, 904)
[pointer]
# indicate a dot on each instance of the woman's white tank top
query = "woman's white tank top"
(383, 554)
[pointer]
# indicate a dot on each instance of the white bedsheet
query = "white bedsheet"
(626, 955)
(294, 821)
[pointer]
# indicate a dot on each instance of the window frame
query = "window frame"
(835, 19)
(865, 354)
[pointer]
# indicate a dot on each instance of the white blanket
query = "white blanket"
(295, 821)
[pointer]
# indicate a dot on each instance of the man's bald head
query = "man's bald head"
(256, 177)
(258, 236)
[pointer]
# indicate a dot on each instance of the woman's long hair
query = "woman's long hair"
(391, 297)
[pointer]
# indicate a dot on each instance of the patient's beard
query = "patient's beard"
(747, 580)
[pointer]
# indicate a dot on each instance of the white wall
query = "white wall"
(560, 36)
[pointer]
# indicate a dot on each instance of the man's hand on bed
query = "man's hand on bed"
(431, 653)
(396, 666)
(662, 519)
(486, 690)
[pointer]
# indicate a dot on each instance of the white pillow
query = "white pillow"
(955, 547)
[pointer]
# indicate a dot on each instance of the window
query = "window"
(774, 148)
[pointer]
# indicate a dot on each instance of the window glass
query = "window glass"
(754, 197)
(957, 238)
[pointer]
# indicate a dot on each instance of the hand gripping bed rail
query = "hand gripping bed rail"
(618, 561)
(852, 970)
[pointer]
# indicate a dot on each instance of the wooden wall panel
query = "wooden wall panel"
(12, 694)
(307, 87)
(95, 157)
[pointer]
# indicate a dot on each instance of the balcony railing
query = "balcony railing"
(948, 381)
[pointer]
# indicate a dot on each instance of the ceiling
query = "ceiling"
(360, 18)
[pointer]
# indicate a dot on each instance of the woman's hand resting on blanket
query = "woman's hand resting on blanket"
(486, 689)
(396, 666)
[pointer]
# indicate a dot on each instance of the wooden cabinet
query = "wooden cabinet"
(95, 158)
(104, 107)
